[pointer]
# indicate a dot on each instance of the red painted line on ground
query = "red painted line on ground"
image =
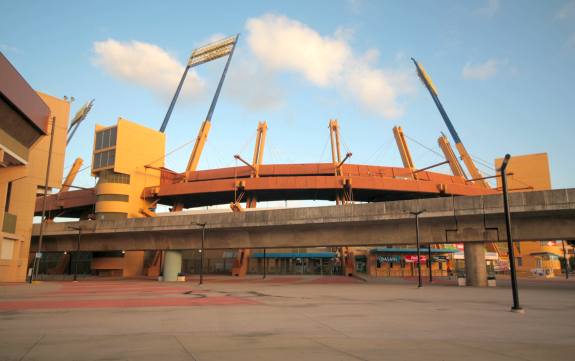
(127, 303)
(334, 279)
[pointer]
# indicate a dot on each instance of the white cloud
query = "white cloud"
(490, 9)
(284, 44)
(482, 71)
(146, 65)
(567, 10)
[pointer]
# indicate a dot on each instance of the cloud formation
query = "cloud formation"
(275, 44)
(490, 9)
(146, 65)
(482, 71)
(284, 44)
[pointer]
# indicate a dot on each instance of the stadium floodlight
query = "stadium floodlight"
(203, 55)
(78, 118)
(212, 51)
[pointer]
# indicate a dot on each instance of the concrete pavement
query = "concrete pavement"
(284, 318)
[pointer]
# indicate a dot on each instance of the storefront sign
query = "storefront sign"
(389, 259)
(412, 259)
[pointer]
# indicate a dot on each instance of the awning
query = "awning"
(410, 250)
(295, 255)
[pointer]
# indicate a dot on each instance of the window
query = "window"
(106, 138)
(7, 250)
(104, 159)
(519, 261)
(108, 176)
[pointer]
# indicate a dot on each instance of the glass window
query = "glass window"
(111, 157)
(113, 133)
(106, 141)
(97, 159)
(519, 261)
(98, 140)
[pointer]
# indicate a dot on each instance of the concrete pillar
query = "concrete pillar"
(475, 267)
(172, 265)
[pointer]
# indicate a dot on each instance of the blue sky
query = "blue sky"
(504, 71)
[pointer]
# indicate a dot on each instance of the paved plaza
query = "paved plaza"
(284, 318)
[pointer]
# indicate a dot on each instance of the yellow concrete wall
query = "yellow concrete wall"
(136, 147)
(530, 170)
(25, 182)
(531, 173)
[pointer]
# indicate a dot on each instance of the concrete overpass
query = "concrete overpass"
(541, 215)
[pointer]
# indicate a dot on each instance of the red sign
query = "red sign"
(413, 259)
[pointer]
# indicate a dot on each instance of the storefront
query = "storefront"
(402, 262)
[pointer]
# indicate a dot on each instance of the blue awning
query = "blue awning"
(295, 255)
(411, 250)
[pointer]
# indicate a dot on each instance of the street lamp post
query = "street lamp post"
(516, 307)
(203, 225)
(416, 214)
(566, 260)
(79, 229)
(429, 262)
(265, 264)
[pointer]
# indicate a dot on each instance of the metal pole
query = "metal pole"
(429, 262)
(42, 219)
(416, 214)
(566, 260)
(77, 254)
(516, 306)
(265, 264)
(202, 254)
(221, 82)
(169, 112)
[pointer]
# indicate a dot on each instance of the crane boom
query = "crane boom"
(469, 164)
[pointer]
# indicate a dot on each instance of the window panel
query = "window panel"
(98, 140)
(97, 159)
(113, 136)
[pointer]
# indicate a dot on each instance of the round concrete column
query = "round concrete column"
(475, 267)
(172, 265)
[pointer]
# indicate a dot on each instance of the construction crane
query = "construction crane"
(477, 177)
(465, 157)
(241, 262)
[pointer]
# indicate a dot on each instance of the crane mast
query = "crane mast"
(465, 157)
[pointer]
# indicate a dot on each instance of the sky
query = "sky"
(503, 70)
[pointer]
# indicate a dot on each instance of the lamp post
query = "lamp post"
(203, 225)
(416, 214)
(516, 307)
(265, 264)
(429, 262)
(79, 229)
(566, 260)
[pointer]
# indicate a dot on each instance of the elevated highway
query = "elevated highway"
(540, 215)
